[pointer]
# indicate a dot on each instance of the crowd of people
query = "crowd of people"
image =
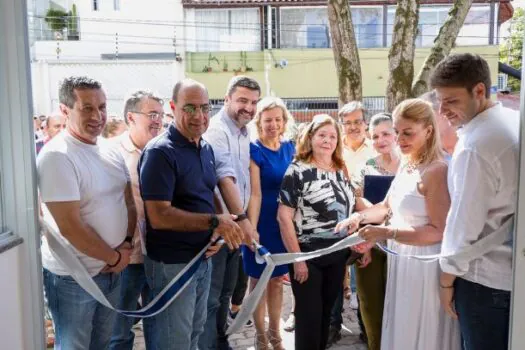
(437, 176)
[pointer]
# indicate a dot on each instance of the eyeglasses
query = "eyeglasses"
(354, 123)
(154, 116)
(192, 109)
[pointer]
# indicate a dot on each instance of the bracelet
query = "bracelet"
(118, 260)
(394, 233)
(446, 287)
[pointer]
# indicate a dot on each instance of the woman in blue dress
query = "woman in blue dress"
(270, 157)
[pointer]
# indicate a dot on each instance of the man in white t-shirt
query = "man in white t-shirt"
(86, 194)
(483, 185)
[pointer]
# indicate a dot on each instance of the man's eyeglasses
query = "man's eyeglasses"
(353, 123)
(154, 116)
(192, 109)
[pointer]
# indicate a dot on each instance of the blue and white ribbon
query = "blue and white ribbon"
(481, 247)
(67, 257)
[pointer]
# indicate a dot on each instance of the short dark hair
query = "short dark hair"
(184, 82)
(69, 85)
(462, 70)
(136, 98)
(242, 81)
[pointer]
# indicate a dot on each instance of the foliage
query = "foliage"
(511, 50)
(56, 19)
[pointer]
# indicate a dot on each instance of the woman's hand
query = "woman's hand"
(351, 224)
(365, 259)
(362, 247)
(373, 234)
(300, 271)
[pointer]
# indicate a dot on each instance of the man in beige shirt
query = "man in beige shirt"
(143, 113)
(357, 147)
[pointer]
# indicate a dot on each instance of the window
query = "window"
(368, 26)
(226, 30)
(304, 27)
(116, 5)
(309, 27)
(95, 5)
(475, 30)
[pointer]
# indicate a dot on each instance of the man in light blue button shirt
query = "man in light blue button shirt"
(228, 135)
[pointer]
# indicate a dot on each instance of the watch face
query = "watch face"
(214, 222)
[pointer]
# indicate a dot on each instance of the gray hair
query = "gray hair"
(380, 118)
(136, 98)
(242, 81)
(68, 86)
(432, 98)
(351, 107)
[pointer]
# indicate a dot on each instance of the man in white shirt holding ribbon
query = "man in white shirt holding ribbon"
(86, 194)
(476, 282)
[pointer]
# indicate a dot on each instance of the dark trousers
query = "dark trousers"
(240, 286)
(315, 298)
(483, 315)
(371, 288)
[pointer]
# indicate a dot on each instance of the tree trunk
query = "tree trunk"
(401, 55)
(346, 55)
(442, 44)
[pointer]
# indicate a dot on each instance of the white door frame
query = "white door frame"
(17, 159)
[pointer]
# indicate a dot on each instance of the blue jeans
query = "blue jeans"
(483, 315)
(133, 285)
(223, 280)
(182, 322)
(81, 322)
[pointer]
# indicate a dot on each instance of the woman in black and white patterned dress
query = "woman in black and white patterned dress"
(315, 195)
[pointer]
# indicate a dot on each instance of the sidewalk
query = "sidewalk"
(244, 340)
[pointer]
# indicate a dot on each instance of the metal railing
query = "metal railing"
(304, 109)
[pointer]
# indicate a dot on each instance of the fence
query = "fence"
(303, 109)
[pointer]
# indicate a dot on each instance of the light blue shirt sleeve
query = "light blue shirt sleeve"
(219, 142)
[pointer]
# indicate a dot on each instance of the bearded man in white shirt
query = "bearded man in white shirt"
(482, 179)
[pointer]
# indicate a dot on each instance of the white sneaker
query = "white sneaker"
(353, 301)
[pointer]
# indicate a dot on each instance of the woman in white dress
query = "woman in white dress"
(418, 202)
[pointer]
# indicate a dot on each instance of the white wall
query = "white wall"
(119, 79)
(137, 27)
(11, 300)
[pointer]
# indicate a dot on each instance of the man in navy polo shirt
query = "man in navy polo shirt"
(177, 179)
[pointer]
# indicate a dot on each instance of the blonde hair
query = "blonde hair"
(420, 112)
(267, 103)
(304, 144)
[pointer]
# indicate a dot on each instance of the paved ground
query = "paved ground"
(245, 339)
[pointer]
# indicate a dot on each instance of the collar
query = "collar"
(366, 144)
(127, 144)
(180, 140)
(234, 129)
(478, 119)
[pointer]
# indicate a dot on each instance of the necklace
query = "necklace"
(323, 166)
(411, 167)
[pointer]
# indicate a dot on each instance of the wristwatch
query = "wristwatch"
(214, 222)
(241, 217)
